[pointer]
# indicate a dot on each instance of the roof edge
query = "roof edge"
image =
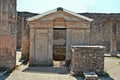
(79, 15)
(40, 15)
(54, 10)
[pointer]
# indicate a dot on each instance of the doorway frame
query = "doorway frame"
(64, 28)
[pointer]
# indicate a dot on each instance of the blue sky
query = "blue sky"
(78, 6)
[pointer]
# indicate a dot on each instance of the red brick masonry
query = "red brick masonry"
(7, 51)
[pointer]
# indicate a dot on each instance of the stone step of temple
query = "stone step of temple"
(90, 76)
(45, 69)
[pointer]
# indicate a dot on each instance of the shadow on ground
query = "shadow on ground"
(100, 78)
(51, 70)
(4, 76)
(103, 76)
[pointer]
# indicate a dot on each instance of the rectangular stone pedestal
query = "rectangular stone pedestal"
(90, 76)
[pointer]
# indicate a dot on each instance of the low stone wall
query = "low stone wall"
(87, 58)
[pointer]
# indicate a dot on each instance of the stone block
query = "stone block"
(87, 58)
(90, 76)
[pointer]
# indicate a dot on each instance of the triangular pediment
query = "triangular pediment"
(59, 13)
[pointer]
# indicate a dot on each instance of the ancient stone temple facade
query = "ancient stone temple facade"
(53, 33)
(8, 33)
(101, 32)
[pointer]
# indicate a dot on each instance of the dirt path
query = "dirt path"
(112, 66)
(24, 72)
(39, 73)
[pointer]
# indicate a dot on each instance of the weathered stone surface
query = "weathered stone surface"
(7, 52)
(100, 28)
(78, 37)
(23, 34)
(68, 44)
(87, 58)
(59, 43)
(54, 33)
(23, 28)
(32, 45)
(25, 49)
(90, 76)
(39, 46)
(8, 33)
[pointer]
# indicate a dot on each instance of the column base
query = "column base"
(67, 63)
(25, 56)
(113, 53)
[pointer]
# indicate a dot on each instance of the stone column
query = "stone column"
(113, 47)
(7, 35)
(25, 40)
(68, 45)
(87, 37)
(50, 47)
(32, 46)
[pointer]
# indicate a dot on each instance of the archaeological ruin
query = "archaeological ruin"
(101, 31)
(80, 39)
(87, 59)
(53, 33)
(23, 33)
(8, 19)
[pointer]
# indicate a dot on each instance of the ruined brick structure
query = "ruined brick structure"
(23, 33)
(87, 59)
(22, 29)
(8, 33)
(101, 28)
(53, 33)
(48, 29)
(105, 31)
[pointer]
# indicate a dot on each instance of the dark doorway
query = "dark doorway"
(59, 44)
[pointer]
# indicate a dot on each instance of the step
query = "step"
(90, 76)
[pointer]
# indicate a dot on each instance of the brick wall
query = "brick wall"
(7, 52)
(8, 20)
(87, 58)
(23, 33)
(22, 28)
